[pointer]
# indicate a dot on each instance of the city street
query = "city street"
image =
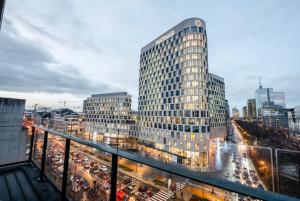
(240, 168)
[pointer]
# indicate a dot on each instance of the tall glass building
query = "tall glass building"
(267, 95)
(173, 92)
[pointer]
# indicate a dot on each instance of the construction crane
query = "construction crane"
(65, 102)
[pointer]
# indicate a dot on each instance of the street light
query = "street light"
(262, 163)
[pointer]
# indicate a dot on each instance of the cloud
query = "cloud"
(102, 39)
(27, 66)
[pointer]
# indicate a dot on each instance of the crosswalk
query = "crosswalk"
(162, 196)
(180, 185)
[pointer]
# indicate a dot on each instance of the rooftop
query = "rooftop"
(194, 21)
(110, 94)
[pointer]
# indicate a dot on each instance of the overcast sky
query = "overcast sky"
(66, 50)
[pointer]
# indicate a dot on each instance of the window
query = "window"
(187, 128)
(194, 29)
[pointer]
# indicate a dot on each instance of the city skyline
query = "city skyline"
(95, 59)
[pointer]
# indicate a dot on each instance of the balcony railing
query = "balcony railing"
(82, 167)
(74, 151)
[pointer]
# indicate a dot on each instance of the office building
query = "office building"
(66, 121)
(12, 137)
(227, 117)
(173, 92)
(267, 95)
(245, 112)
(273, 116)
(134, 124)
(108, 115)
(294, 122)
(251, 105)
(217, 106)
(235, 113)
(227, 109)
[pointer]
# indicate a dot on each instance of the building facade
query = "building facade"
(66, 121)
(173, 92)
(294, 123)
(266, 96)
(245, 113)
(273, 116)
(235, 113)
(251, 105)
(108, 115)
(217, 107)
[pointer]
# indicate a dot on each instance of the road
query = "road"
(241, 159)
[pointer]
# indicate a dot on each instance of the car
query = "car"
(245, 175)
(254, 178)
(103, 168)
(85, 185)
(127, 181)
(93, 163)
(237, 172)
(129, 190)
(238, 177)
(105, 176)
(95, 171)
(248, 182)
(252, 171)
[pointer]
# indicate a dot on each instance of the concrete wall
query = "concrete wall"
(12, 139)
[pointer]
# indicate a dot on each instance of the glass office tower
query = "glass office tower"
(173, 92)
(268, 96)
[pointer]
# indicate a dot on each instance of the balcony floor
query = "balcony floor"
(19, 183)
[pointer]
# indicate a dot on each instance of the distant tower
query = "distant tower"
(260, 86)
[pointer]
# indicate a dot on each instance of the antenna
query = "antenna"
(260, 86)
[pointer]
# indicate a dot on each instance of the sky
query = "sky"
(54, 51)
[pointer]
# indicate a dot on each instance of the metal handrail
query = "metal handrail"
(178, 170)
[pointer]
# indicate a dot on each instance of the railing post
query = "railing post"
(44, 155)
(277, 170)
(113, 177)
(31, 144)
(65, 171)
